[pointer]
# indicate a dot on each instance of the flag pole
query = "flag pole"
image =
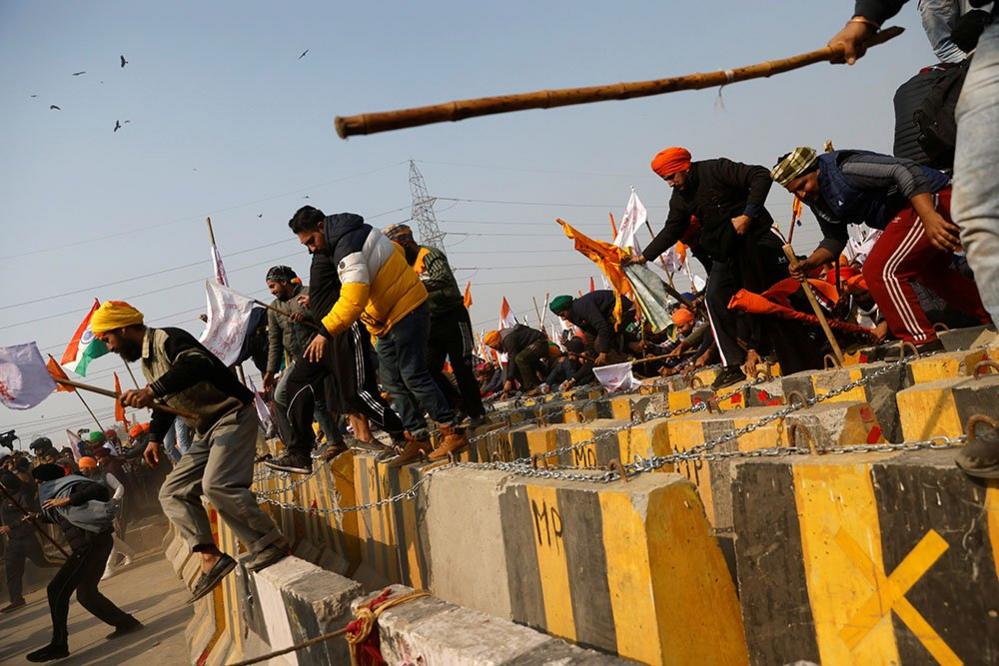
(211, 238)
(111, 394)
(131, 374)
(536, 310)
(807, 288)
(92, 415)
(34, 523)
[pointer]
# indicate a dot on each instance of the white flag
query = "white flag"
(263, 413)
(635, 216)
(24, 379)
(228, 322)
(219, 267)
(506, 318)
(617, 377)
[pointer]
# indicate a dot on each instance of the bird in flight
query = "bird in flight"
(79, 73)
(123, 61)
(303, 54)
(306, 196)
(118, 124)
(53, 106)
(260, 214)
(34, 96)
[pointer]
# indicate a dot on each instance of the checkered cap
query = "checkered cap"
(798, 161)
(398, 231)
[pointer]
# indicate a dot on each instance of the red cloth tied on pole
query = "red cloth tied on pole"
(608, 257)
(776, 301)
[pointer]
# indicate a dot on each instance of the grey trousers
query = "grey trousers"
(220, 467)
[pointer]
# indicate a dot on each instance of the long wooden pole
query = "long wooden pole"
(816, 308)
(34, 524)
(371, 123)
(131, 374)
(305, 322)
(92, 415)
(111, 394)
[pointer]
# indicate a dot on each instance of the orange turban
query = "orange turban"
(86, 462)
(113, 314)
(672, 160)
(682, 316)
(492, 339)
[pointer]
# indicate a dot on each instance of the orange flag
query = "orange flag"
(681, 252)
(795, 211)
(613, 226)
(119, 409)
(468, 294)
(775, 301)
(608, 257)
(58, 373)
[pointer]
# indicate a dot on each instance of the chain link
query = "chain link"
(527, 467)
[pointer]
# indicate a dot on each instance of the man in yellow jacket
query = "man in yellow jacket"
(378, 287)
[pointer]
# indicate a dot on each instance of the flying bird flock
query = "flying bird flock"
(119, 124)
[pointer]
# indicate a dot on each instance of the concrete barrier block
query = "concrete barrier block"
(646, 439)
(608, 440)
(296, 601)
(628, 567)
(712, 479)
(831, 425)
(968, 338)
(948, 365)
(867, 558)
(430, 631)
(942, 408)
(376, 531)
(879, 392)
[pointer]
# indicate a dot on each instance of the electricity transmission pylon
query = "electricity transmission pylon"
(423, 210)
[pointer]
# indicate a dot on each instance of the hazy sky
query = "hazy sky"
(227, 121)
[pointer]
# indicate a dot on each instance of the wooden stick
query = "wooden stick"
(370, 123)
(131, 374)
(536, 310)
(111, 394)
(33, 522)
(308, 323)
(793, 260)
(92, 415)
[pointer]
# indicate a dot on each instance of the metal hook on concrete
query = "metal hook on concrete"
(712, 405)
(941, 327)
(616, 465)
(907, 345)
(695, 378)
(792, 435)
(829, 362)
(974, 420)
(790, 395)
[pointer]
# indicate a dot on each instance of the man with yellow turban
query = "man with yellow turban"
(184, 375)
(727, 198)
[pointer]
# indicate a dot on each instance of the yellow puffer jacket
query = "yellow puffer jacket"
(377, 285)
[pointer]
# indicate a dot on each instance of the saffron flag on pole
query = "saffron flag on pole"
(506, 318)
(56, 371)
(796, 212)
(605, 255)
(24, 379)
(468, 294)
(84, 347)
(119, 409)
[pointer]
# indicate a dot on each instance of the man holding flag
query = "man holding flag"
(219, 464)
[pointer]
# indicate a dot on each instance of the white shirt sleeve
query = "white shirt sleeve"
(115, 485)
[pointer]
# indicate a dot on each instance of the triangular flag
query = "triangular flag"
(635, 216)
(58, 373)
(468, 294)
(119, 409)
(506, 319)
(796, 212)
(84, 347)
(75, 444)
(593, 287)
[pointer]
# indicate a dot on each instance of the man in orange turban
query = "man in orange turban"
(728, 198)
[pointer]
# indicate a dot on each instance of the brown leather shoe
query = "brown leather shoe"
(452, 441)
(414, 448)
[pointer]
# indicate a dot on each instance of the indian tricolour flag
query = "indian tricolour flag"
(84, 347)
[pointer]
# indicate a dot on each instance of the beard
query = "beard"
(130, 351)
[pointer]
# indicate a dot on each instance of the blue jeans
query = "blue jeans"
(177, 440)
(975, 205)
(402, 358)
(939, 18)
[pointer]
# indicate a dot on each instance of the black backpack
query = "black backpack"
(934, 118)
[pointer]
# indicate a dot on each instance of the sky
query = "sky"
(227, 121)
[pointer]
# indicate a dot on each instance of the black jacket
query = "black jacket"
(594, 314)
(519, 338)
(717, 191)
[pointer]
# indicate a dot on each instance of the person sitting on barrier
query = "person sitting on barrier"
(527, 353)
(80, 508)
(219, 464)
(593, 313)
(911, 203)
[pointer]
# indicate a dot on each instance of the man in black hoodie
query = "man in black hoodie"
(593, 313)
(79, 506)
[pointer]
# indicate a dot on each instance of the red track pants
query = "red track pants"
(903, 255)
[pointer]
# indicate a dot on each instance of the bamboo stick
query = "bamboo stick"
(111, 394)
(34, 523)
(371, 123)
(807, 288)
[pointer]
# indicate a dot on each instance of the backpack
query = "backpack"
(934, 118)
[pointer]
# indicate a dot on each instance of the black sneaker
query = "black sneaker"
(931, 347)
(289, 462)
(209, 581)
(14, 605)
(125, 629)
(732, 374)
(48, 653)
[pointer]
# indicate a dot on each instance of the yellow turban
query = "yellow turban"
(492, 339)
(114, 314)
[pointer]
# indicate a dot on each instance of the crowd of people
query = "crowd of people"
(377, 351)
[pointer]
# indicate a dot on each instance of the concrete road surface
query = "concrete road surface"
(148, 589)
